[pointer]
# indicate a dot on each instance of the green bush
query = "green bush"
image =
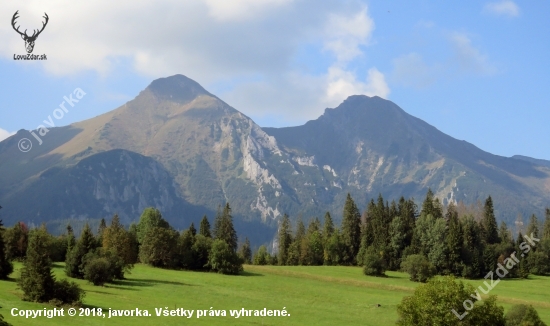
(418, 267)
(68, 293)
(373, 264)
(223, 259)
(523, 315)
(98, 270)
(433, 304)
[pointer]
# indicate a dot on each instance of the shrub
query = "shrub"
(223, 259)
(373, 264)
(98, 270)
(68, 293)
(523, 315)
(433, 304)
(418, 267)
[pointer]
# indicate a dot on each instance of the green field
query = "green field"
(312, 296)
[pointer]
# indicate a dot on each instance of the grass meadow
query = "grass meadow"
(319, 295)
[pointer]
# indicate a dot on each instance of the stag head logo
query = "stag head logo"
(29, 40)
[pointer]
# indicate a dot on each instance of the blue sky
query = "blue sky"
(478, 71)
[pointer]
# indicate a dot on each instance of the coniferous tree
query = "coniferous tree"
(328, 226)
(100, 230)
(37, 280)
(397, 234)
(473, 248)
(205, 227)
(533, 227)
(454, 241)
(350, 232)
(431, 206)
(74, 264)
(489, 223)
(224, 229)
(16, 239)
(246, 252)
(504, 233)
(546, 228)
(119, 244)
(6, 267)
(312, 244)
(522, 269)
(185, 243)
(297, 243)
(285, 240)
(192, 229)
(71, 240)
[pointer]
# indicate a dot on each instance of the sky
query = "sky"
(478, 71)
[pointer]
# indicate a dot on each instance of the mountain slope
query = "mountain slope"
(373, 147)
(180, 148)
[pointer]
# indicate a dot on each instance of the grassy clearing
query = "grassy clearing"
(312, 295)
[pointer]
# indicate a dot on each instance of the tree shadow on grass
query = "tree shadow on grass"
(91, 306)
(250, 274)
(101, 292)
(146, 282)
(57, 265)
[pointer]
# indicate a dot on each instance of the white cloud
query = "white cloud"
(235, 10)
(469, 58)
(5, 134)
(253, 42)
(505, 8)
(411, 70)
(346, 34)
(342, 84)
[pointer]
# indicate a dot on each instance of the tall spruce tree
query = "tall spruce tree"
(74, 264)
(351, 231)
(489, 223)
(454, 240)
(246, 252)
(285, 240)
(37, 280)
(71, 240)
(205, 227)
(224, 229)
(328, 227)
(504, 233)
(431, 206)
(192, 229)
(533, 227)
(100, 230)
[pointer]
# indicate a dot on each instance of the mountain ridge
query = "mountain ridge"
(213, 153)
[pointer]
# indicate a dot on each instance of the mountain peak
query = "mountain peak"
(177, 88)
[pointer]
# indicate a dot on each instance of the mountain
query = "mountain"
(535, 161)
(180, 148)
(372, 146)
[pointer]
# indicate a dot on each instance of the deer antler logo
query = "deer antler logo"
(29, 40)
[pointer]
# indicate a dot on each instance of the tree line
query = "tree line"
(112, 251)
(396, 236)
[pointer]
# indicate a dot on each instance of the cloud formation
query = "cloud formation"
(5, 134)
(247, 44)
(469, 58)
(502, 8)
